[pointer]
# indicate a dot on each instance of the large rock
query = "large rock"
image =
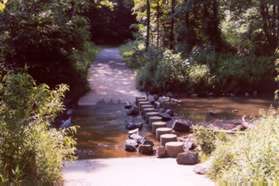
(131, 145)
(169, 112)
(146, 148)
(187, 158)
(166, 116)
(134, 125)
(161, 152)
(174, 148)
(203, 168)
(138, 138)
(181, 125)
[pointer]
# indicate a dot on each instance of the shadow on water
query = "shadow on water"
(102, 131)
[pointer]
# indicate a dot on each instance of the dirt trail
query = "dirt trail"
(110, 80)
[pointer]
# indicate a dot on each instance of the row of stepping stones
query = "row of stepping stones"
(169, 144)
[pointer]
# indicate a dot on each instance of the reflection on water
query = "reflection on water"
(102, 130)
(207, 109)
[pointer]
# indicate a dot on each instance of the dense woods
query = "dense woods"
(201, 47)
(224, 46)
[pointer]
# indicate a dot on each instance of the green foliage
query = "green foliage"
(31, 151)
(167, 71)
(207, 139)
(49, 38)
(238, 74)
(132, 53)
(249, 157)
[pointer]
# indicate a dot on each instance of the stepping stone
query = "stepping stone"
(140, 99)
(163, 130)
(165, 138)
(174, 148)
(142, 103)
(152, 119)
(131, 132)
(150, 114)
(147, 109)
(158, 124)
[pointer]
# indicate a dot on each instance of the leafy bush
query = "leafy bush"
(207, 138)
(132, 53)
(52, 43)
(237, 74)
(167, 71)
(200, 78)
(250, 157)
(31, 151)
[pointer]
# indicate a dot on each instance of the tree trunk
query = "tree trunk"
(172, 37)
(148, 25)
(158, 23)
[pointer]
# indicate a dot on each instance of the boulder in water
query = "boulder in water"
(131, 145)
(146, 149)
(166, 116)
(182, 125)
(134, 125)
(169, 112)
(138, 138)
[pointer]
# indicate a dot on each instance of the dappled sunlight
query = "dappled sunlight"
(110, 80)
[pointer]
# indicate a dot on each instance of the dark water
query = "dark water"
(207, 109)
(102, 130)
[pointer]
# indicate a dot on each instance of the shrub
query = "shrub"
(31, 151)
(237, 74)
(167, 71)
(251, 157)
(207, 138)
(200, 78)
(132, 53)
(52, 43)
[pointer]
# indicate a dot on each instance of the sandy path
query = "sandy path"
(146, 171)
(110, 80)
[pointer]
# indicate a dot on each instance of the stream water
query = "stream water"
(102, 130)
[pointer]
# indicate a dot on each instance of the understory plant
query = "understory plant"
(207, 139)
(31, 150)
(251, 157)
